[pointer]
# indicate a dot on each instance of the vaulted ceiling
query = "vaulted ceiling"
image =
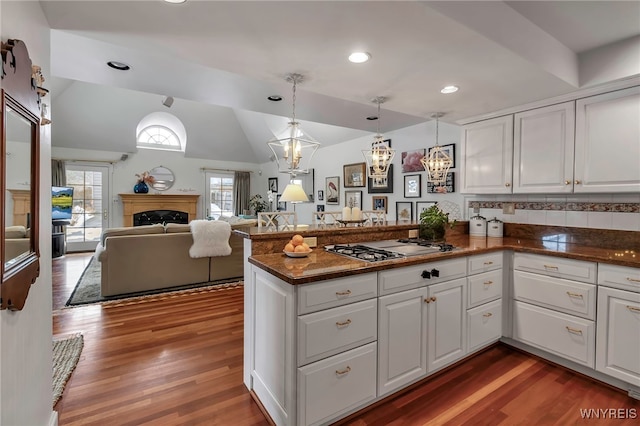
(220, 60)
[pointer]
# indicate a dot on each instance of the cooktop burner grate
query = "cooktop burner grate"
(443, 247)
(369, 254)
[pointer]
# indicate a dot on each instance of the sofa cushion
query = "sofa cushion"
(132, 230)
(174, 228)
(16, 231)
(210, 238)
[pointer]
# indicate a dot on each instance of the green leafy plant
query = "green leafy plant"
(433, 222)
(257, 204)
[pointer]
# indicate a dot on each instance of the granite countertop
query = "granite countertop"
(322, 265)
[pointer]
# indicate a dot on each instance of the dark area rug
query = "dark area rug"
(87, 289)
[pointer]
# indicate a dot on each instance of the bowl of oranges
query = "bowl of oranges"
(296, 247)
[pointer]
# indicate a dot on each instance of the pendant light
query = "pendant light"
(438, 162)
(380, 156)
(293, 148)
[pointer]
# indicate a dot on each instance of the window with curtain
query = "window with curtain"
(220, 194)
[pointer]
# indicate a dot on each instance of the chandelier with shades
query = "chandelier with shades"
(438, 162)
(293, 148)
(380, 156)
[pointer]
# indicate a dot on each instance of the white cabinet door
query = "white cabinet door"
(543, 149)
(618, 334)
(487, 156)
(608, 142)
(447, 323)
(402, 339)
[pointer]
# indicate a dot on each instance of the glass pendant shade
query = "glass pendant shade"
(380, 156)
(438, 162)
(293, 149)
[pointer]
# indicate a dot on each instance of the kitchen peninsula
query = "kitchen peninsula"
(327, 335)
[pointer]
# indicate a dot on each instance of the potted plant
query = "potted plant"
(257, 204)
(433, 222)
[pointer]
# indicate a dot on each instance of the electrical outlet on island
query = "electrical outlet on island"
(413, 233)
(311, 241)
(508, 208)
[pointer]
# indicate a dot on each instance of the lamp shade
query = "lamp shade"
(294, 193)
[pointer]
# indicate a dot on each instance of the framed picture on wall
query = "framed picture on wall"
(450, 150)
(412, 186)
(379, 202)
(404, 211)
(273, 185)
(353, 199)
(448, 187)
(333, 190)
(411, 160)
(381, 186)
(320, 195)
(354, 175)
(282, 205)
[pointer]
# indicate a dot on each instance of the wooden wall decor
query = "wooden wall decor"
(17, 75)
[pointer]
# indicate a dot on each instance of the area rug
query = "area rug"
(87, 289)
(66, 353)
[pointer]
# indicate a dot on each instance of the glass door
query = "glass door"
(219, 195)
(90, 212)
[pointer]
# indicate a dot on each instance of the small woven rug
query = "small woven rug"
(66, 353)
(87, 289)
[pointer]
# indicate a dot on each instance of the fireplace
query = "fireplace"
(136, 204)
(152, 217)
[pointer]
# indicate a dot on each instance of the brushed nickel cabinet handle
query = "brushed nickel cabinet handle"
(633, 308)
(574, 330)
(575, 295)
(550, 267)
(343, 372)
(487, 315)
(344, 323)
(488, 263)
(507, 184)
(578, 182)
(633, 280)
(343, 293)
(567, 182)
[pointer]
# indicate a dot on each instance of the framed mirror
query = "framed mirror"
(163, 178)
(20, 146)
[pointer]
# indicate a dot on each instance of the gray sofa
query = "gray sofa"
(153, 257)
(16, 241)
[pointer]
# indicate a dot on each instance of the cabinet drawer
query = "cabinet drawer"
(335, 385)
(394, 280)
(484, 325)
(567, 296)
(340, 291)
(484, 287)
(556, 267)
(484, 263)
(561, 334)
(325, 333)
(621, 277)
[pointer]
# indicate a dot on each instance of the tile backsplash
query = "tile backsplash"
(607, 212)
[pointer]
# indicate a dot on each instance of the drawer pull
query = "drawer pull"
(550, 267)
(633, 308)
(633, 280)
(343, 293)
(488, 282)
(427, 300)
(487, 315)
(575, 295)
(574, 330)
(343, 372)
(343, 324)
(433, 299)
(488, 263)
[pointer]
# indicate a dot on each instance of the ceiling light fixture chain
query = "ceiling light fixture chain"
(380, 156)
(438, 162)
(293, 148)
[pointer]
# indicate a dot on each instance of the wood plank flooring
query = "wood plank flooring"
(178, 361)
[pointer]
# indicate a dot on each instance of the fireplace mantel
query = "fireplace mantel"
(137, 203)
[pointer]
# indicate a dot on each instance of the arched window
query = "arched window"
(161, 130)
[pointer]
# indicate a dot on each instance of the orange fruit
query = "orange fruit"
(306, 246)
(300, 249)
(297, 240)
(289, 247)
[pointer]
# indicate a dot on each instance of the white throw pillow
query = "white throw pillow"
(210, 238)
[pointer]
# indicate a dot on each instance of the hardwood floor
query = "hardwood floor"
(178, 361)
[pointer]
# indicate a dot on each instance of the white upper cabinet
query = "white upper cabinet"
(608, 142)
(543, 149)
(487, 156)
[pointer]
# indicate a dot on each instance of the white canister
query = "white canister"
(478, 226)
(495, 228)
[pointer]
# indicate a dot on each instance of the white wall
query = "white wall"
(25, 336)
(189, 178)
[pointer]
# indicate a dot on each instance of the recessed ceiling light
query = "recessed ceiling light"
(372, 117)
(359, 57)
(121, 66)
(449, 89)
(175, 1)
(275, 98)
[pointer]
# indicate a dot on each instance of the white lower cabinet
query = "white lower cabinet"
(402, 339)
(336, 385)
(446, 331)
(484, 325)
(618, 342)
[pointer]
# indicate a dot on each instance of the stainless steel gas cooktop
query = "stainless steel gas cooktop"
(374, 251)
